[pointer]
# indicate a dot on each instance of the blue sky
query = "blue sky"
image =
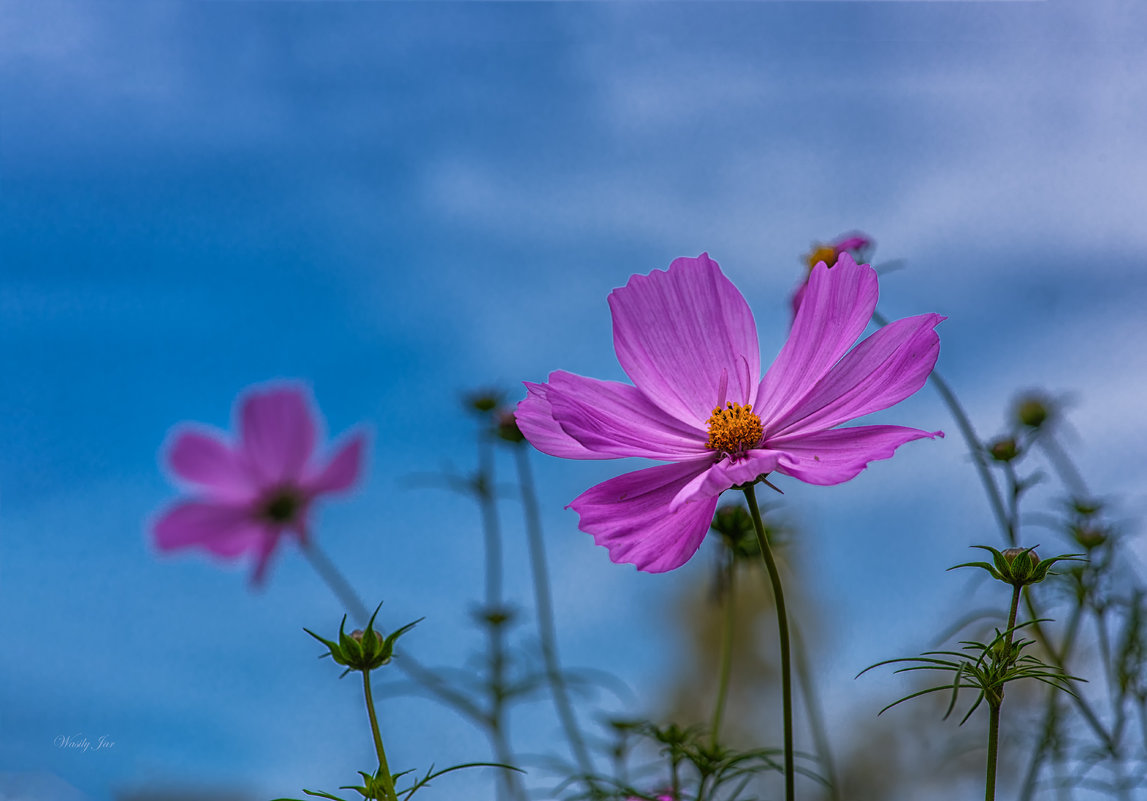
(400, 202)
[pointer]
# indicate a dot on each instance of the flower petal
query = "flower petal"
(630, 516)
(833, 457)
(206, 459)
(278, 433)
(726, 474)
(341, 472)
(879, 372)
(618, 420)
(835, 309)
(677, 331)
(223, 529)
(535, 419)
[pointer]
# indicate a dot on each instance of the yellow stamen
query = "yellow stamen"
(734, 429)
(825, 253)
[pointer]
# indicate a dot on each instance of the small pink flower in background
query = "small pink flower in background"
(687, 340)
(250, 492)
(855, 245)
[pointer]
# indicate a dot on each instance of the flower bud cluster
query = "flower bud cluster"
(362, 650)
(1017, 566)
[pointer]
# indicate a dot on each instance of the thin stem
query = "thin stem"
(495, 619)
(995, 700)
(815, 715)
(783, 634)
(1051, 715)
(993, 747)
(1068, 473)
(726, 653)
(490, 527)
(973, 442)
(383, 767)
(543, 603)
(336, 582)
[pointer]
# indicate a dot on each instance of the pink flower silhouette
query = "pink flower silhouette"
(687, 340)
(853, 244)
(248, 494)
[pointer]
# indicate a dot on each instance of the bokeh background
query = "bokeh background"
(398, 203)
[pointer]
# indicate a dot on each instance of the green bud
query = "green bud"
(734, 525)
(483, 401)
(1017, 566)
(507, 427)
(1004, 449)
(1086, 507)
(362, 650)
(1089, 537)
(1033, 410)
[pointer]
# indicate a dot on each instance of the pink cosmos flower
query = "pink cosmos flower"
(248, 494)
(687, 340)
(853, 244)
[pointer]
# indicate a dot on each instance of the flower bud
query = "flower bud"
(1033, 410)
(1017, 566)
(1089, 537)
(362, 650)
(1004, 449)
(735, 527)
(483, 401)
(507, 427)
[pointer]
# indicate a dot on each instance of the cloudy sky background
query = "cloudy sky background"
(400, 202)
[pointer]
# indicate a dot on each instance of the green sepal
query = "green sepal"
(392, 638)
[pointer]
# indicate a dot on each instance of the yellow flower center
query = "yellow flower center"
(734, 429)
(825, 253)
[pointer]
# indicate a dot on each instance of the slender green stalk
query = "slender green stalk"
(964, 423)
(383, 767)
(1051, 714)
(783, 634)
(726, 652)
(993, 747)
(995, 702)
(495, 621)
(815, 715)
(543, 604)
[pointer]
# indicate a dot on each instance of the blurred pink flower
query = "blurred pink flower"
(687, 340)
(854, 244)
(248, 494)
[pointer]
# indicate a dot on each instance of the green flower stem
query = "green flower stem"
(495, 720)
(423, 676)
(1051, 714)
(726, 652)
(543, 603)
(783, 633)
(995, 702)
(815, 715)
(995, 500)
(383, 767)
(993, 747)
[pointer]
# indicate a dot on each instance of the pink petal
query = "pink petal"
(342, 471)
(881, 371)
(630, 516)
(833, 457)
(535, 419)
(224, 530)
(677, 332)
(264, 548)
(278, 433)
(618, 420)
(726, 474)
(204, 458)
(836, 308)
